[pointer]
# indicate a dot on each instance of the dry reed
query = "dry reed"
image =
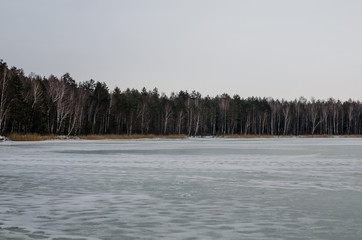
(38, 137)
(133, 136)
(246, 136)
(30, 137)
(292, 136)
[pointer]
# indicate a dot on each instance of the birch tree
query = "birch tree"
(3, 99)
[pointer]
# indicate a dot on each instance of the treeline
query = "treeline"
(32, 104)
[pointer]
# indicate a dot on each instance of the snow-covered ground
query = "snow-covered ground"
(182, 189)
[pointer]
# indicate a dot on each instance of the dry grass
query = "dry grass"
(291, 136)
(349, 136)
(329, 136)
(30, 137)
(246, 136)
(38, 137)
(174, 136)
(317, 136)
(133, 136)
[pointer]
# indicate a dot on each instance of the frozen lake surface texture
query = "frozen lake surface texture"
(286, 188)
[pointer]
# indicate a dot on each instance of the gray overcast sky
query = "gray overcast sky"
(281, 49)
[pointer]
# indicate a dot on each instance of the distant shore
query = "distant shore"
(39, 137)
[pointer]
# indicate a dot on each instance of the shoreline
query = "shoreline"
(38, 137)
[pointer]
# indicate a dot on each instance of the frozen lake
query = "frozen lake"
(289, 188)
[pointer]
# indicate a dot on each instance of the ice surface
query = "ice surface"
(182, 189)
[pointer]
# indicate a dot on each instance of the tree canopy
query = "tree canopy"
(32, 104)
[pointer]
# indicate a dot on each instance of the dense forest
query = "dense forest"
(34, 104)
